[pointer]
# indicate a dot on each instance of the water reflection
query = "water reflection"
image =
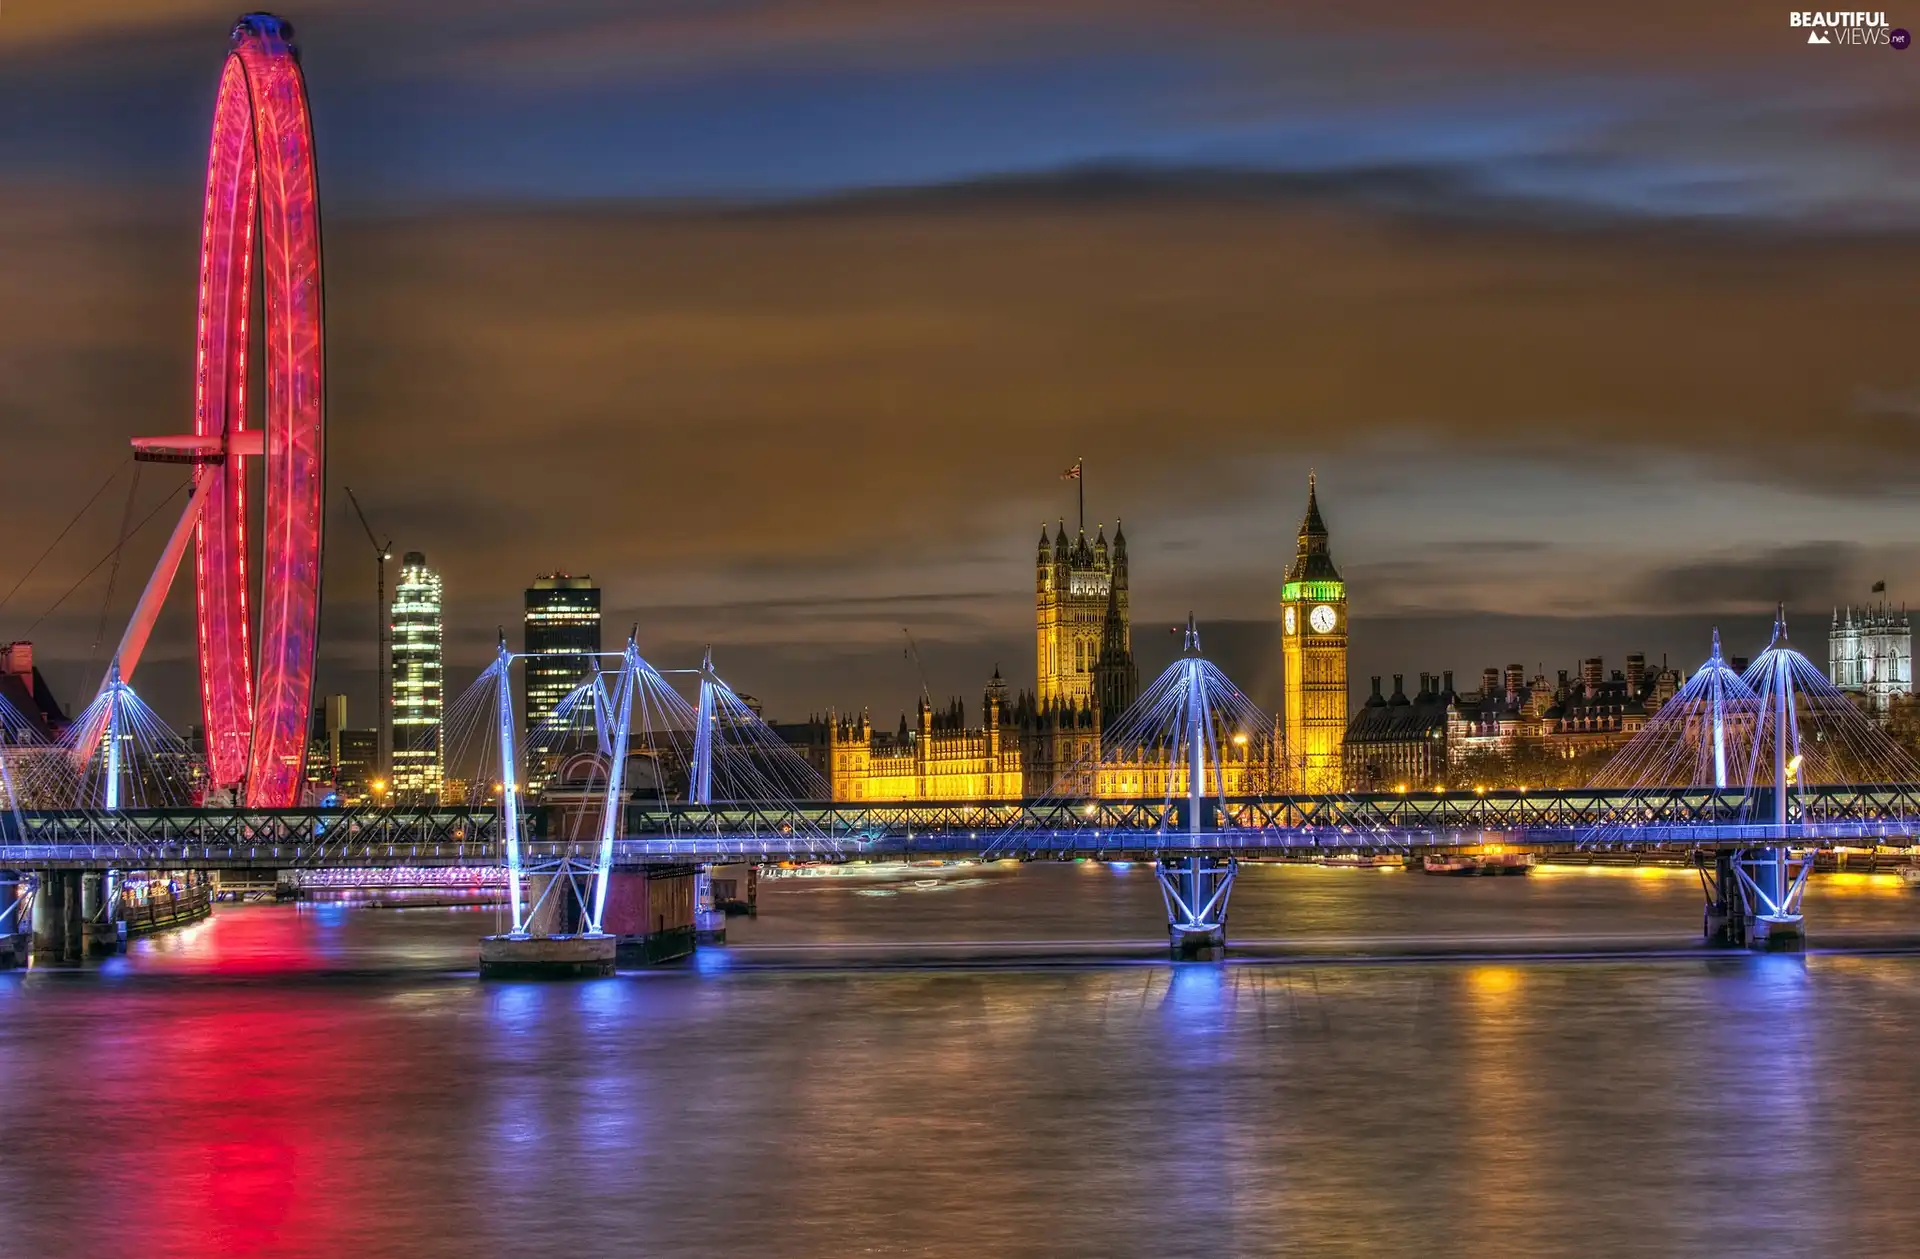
(282, 1081)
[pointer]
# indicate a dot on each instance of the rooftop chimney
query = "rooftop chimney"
(1636, 672)
(1591, 673)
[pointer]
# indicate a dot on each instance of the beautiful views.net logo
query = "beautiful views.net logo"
(1861, 30)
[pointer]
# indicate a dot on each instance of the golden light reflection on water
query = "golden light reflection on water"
(1493, 984)
(1501, 1131)
(1614, 872)
(1848, 883)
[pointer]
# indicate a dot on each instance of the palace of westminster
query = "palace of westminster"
(1510, 731)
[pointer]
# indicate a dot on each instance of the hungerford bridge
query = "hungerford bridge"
(747, 797)
(1758, 769)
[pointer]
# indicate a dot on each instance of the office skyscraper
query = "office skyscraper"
(562, 631)
(418, 698)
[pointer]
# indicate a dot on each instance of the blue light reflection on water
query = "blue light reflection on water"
(1099, 1105)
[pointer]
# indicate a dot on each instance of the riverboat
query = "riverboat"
(1470, 864)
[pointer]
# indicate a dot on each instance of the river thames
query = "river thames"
(991, 1061)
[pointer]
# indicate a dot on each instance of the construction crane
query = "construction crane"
(382, 663)
(913, 653)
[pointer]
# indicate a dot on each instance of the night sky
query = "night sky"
(781, 319)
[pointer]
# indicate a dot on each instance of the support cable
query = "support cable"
(35, 566)
(144, 521)
(113, 575)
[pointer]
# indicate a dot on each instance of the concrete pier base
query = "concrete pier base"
(1195, 888)
(15, 948)
(1777, 933)
(709, 926)
(57, 923)
(1197, 946)
(105, 939)
(546, 957)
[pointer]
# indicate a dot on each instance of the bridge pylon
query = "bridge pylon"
(1195, 889)
(1196, 885)
(556, 931)
(1771, 880)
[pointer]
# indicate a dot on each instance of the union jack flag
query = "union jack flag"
(1073, 473)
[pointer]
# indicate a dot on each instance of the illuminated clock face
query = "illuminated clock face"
(1289, 620)
(1322, 620)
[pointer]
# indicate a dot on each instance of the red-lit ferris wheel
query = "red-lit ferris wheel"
(256, 673)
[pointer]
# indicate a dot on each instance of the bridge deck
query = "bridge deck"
(1254, 827)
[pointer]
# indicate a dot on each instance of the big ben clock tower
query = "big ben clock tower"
(1313, 635)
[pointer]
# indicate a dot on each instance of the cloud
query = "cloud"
(1710, 110)
(871, 399)
(1812, 574)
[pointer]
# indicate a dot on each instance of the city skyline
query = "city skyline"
(1552, 365)
(873, 673)
(1632, 369)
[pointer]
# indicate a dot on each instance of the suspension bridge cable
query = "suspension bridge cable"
(98, 564)
(113, 575)
(35, 566)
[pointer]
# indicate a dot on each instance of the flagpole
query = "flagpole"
(1081, 464)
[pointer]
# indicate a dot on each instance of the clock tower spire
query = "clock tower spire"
(1313, 646)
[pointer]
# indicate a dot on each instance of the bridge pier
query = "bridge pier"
(58, 925)
(16, 937)
(709, 921)
(1774, 884)
(653, 912)
(1725, 921)
(556, 943)
(1754, 898)
(546, 957)
(1195, 889)
(103, 934)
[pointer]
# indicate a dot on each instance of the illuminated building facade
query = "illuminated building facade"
(1510, 732)
(1081, 611)
(1019, 751)
(418, 696)
(1313, 638)
(1046, 741)
(340, 760)
(1398, 740)
(937, 758)
(1870, 653)
(562, 633)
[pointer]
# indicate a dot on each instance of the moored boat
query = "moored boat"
(1363, 861)
(1478, 863)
